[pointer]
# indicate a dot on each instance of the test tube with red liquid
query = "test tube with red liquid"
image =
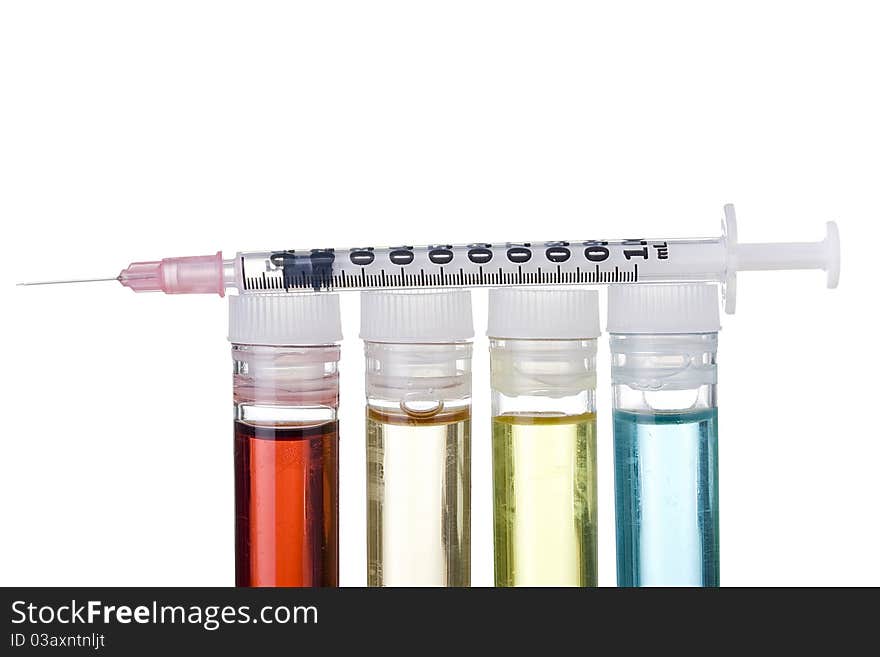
(286, 393)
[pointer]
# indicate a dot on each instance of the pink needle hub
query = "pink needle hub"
(189, 275)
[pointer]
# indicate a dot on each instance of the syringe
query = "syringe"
(583, 262)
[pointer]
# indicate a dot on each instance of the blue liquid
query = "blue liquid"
(666, 498)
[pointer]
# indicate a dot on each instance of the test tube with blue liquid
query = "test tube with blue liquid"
(664, 374)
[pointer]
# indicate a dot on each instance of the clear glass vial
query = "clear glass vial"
(418, 385)
(543, 373)
(664, 374)
(285, 395)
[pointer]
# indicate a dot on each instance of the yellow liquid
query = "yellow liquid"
(418, 499)
(545, 500)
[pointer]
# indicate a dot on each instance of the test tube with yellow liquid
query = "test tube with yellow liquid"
(543, 373)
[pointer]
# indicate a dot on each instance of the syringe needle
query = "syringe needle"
(72, 280)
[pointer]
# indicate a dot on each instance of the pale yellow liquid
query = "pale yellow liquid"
(545, 500)
(418, 499)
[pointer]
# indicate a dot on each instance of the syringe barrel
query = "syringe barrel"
(484, 265)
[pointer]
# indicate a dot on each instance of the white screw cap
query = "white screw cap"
(541, 314)
(285, 319)
(663, 309)
(417, 317)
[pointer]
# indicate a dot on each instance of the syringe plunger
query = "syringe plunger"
(823, 255)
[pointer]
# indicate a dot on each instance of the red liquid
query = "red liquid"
(286, 505)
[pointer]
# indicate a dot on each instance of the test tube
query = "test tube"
(418, 385)
(543, 373)
(285, 394)
(663, 368)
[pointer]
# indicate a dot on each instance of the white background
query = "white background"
(137, 130)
